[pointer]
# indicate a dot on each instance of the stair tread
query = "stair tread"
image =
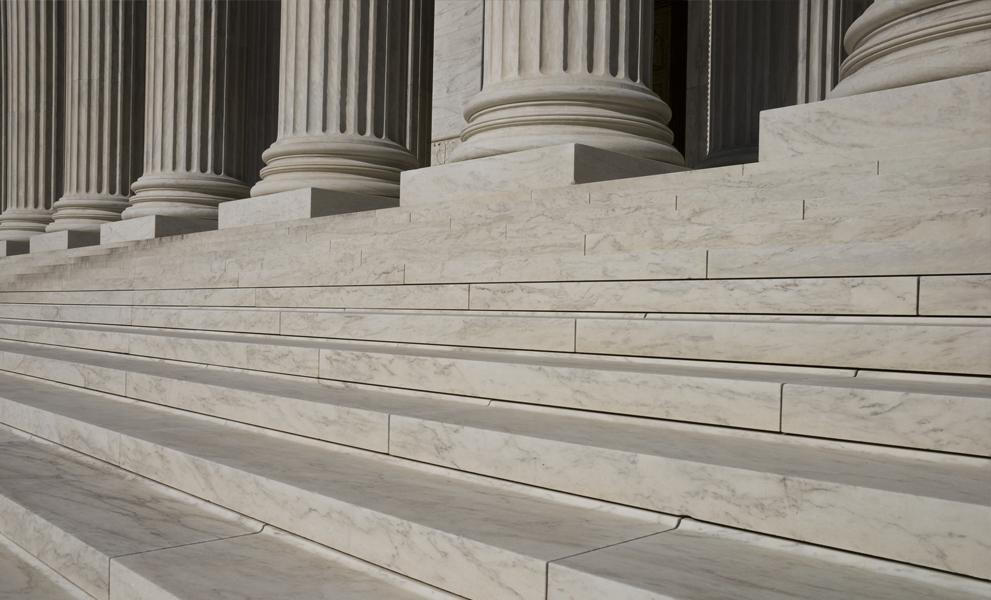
(25, 578)
(698, 561)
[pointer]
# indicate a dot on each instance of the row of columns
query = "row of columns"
(170, 107)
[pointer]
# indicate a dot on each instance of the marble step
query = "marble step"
(76, 514)
(328, 411)
(951, 414)
(948, 225)
(873, 259)
(24, 577)
(901, 202)
(477, 537)
(697, 560)
(119, 537)
(915, 507)
(922, 344)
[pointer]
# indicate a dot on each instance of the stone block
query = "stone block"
(13, 247)
(155, 226)
(63, 240)
(549, 167)
(294, 205)
(916, 114)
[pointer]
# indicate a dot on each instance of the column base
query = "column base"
(13, 247)
(63, 240)
(554, 166)
(151, 227)
(305, 203)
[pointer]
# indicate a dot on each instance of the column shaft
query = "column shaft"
(33, 138)
(568, 71)
(104, 111)
(202, 108)
(354, 96)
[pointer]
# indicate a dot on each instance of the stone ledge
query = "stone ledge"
(554, 166)
(63, 240)
(154, 226)
(305, 203)
(13, 247)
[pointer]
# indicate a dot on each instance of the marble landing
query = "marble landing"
(151, 227)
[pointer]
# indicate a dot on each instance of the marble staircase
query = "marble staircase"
(765, 381)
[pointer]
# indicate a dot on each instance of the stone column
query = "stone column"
(33, 138)
(354, 96)
(203, 78)
(104, 61)
(754, 67)
(568, 71)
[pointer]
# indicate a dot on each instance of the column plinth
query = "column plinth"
(33, 134)
(206, 74)
(354, 96)
(568, 71)
(104, 112)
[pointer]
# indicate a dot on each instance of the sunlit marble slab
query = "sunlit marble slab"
(888, 295)
(914, 114)
(305, 203)
(47, 363)
(851, 260)
(123, 298)
(520, 171)
(57, 334)
(443, 297)
(530, 333)
(420, 236)
(714, 394)
(699, 561)
(262, 566)
(650, 265)
(963, 295)
(76, 515)
(375, 274)
(63, 240)
(926, 226)
(888, 203)
(867, 343)
(154, 226)
(569, 245)
(243, 321)
(932, 413)
(114, 315)
(931, 513)
(226, 297)
(26, 578)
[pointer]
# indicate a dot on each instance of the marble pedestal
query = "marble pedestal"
(914, 114)
(150, 227)
(553, 166)
(63, 240)
(293, 205)
(13, 247)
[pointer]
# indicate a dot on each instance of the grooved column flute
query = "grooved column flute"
(568, 71)
(203, 78)
(33, 137)
(354, 96)
(104, 111)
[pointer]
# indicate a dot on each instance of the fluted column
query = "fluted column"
(104, 61)
(568, 71)
(33, 136)
(354, 96)
(203, 79)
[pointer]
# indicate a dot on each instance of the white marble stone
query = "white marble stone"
(528, 333)
(443, 297)
(243, 320)
(698, 392)
(653, 265)
(570, 245)
(63, 240)
(887, 203)
(373, 274)
(304, 203)
(77, 516)
(961, 295)
(949, 416)
(124, 297)
(150, 227)
(24, 577)
(548, 167)
(828, 296)
(928, 345)
(225, 297)
(116, 315)
(38, 362)
(915, 114)
(897, 507)
(705, 561)
(854, 260)
(265, 565)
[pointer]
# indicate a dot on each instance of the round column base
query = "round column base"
(20, 224)
(186, 195)
(86, 212)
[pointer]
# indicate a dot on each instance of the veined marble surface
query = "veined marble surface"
(964, 295)
(24, 577)
(698, 561)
